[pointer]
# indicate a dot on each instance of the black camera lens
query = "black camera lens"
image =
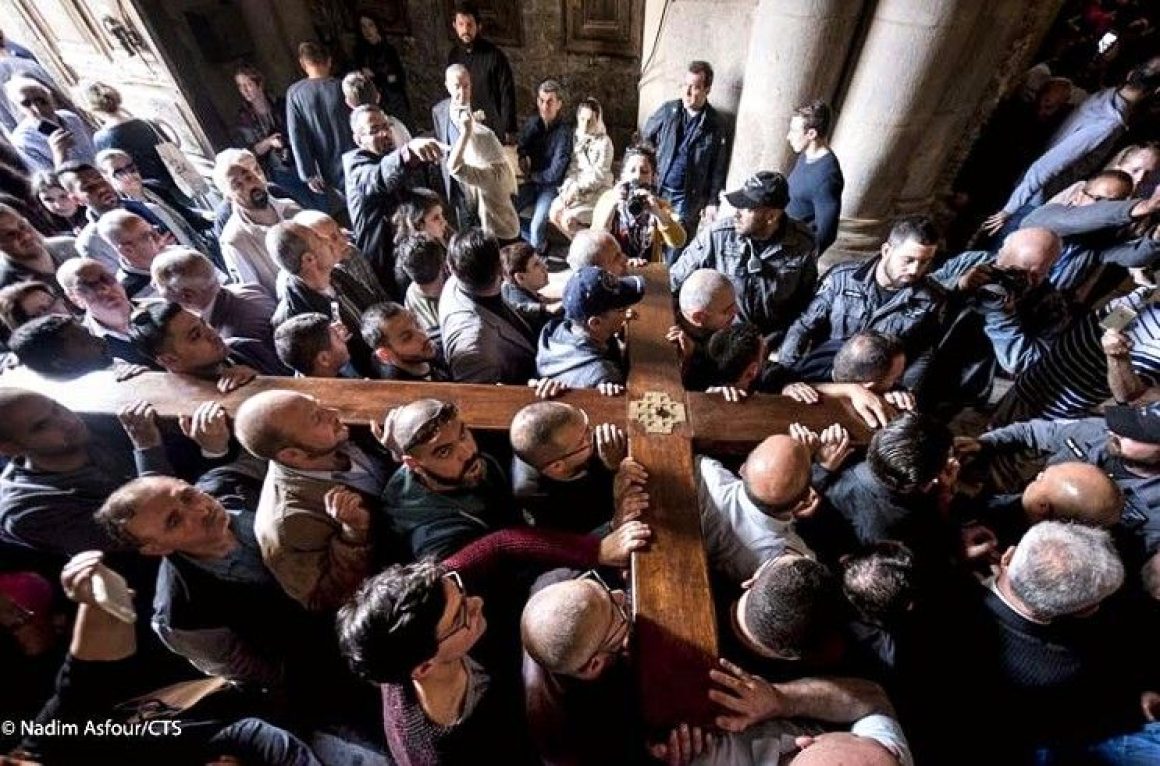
(635, 206)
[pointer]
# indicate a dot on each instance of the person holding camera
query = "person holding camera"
(1004, 312)
(634, 213)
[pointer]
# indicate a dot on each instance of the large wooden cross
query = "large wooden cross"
(676, 632)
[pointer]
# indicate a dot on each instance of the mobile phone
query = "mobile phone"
(1121, 317)
(111, 593)
(46, 128)
(335, 314)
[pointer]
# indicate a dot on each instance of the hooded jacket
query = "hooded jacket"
(575, 359)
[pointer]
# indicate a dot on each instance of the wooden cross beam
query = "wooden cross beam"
(675, 623)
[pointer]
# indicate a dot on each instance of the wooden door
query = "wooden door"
(106, 40)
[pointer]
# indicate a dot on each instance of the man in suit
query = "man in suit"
(188, 278)
(692, 141)
(484, 339)
(457, 80)
(379, 175)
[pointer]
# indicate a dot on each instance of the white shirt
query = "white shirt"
(243, 244)
(738, 535)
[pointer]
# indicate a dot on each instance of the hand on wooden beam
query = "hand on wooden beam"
(617, 547)
(611, 445)
(139, 420)
(610, 389)
(235, 377)
(730, 393)
(547, 388)
(346, 507)
(209, 427)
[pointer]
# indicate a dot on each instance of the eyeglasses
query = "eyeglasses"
(585, 445)
(462, 616)
(92, 284)
(1095, 197)
(428, 430)
(621, 624)
(126, 170)
(34, 100)
(804, 497)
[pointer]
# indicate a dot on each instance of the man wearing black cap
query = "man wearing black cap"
(770, 258)
(1125, 443)
(580, 350)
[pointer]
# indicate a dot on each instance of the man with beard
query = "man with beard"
(314, 346)
(181, 342)
(1125, 444)
(891, 294)
(243, 240)
(88, 187)
(312, 521)
(447, 493)
(770, 258)
(488, 69)
(59, 347)
(402, 348)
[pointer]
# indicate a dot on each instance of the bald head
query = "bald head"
(563, 625)
(1033, 251)
(597, 248)
(777, 472)
(708, 300)
(537, 428)
(258, 422)
(841, 748)
(1078, 492)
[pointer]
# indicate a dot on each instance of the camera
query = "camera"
(636, 199)
(1004, 283)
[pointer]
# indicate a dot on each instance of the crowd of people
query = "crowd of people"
(977, 584)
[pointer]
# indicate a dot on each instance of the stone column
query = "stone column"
(797, 49)
(907, 62)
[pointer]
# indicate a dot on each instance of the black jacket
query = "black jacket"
(709, 159)
(301, 298)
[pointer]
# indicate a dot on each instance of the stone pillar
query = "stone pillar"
(907, 62)
(797, 49)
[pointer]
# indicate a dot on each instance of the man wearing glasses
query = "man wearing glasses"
(568, 474)
(450, 685)
(93, 288)
(1094, 227)
(447, 493)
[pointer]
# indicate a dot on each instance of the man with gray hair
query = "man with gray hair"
(243, 238)
(597, 248)
(545, 149)
(457, 81)
(379, 174)
(1064, 666)
(187, 277)
(137, 244)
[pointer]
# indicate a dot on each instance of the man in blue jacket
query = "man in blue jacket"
(692, 141)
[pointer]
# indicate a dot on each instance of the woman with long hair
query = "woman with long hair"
(379, 60)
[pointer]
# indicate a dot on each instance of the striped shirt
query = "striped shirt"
(1072, 378)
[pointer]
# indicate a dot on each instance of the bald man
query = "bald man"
(312, 522)
(707, 303)
(597, 248)
(749, 518)
(1008, 313)
(93, 288)
(137, 244)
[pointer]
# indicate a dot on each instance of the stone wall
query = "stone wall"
(612, 80)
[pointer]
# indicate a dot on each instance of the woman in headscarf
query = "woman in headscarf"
(589, 174)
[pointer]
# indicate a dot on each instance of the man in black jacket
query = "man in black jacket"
(378, 177)
(545, 149)
(693, 145)
(491, 74)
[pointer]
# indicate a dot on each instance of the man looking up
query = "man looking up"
(313, 522)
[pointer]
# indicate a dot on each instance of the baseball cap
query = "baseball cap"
(416, 423)
(1141, 424)
(592, 291)
(765, 189)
